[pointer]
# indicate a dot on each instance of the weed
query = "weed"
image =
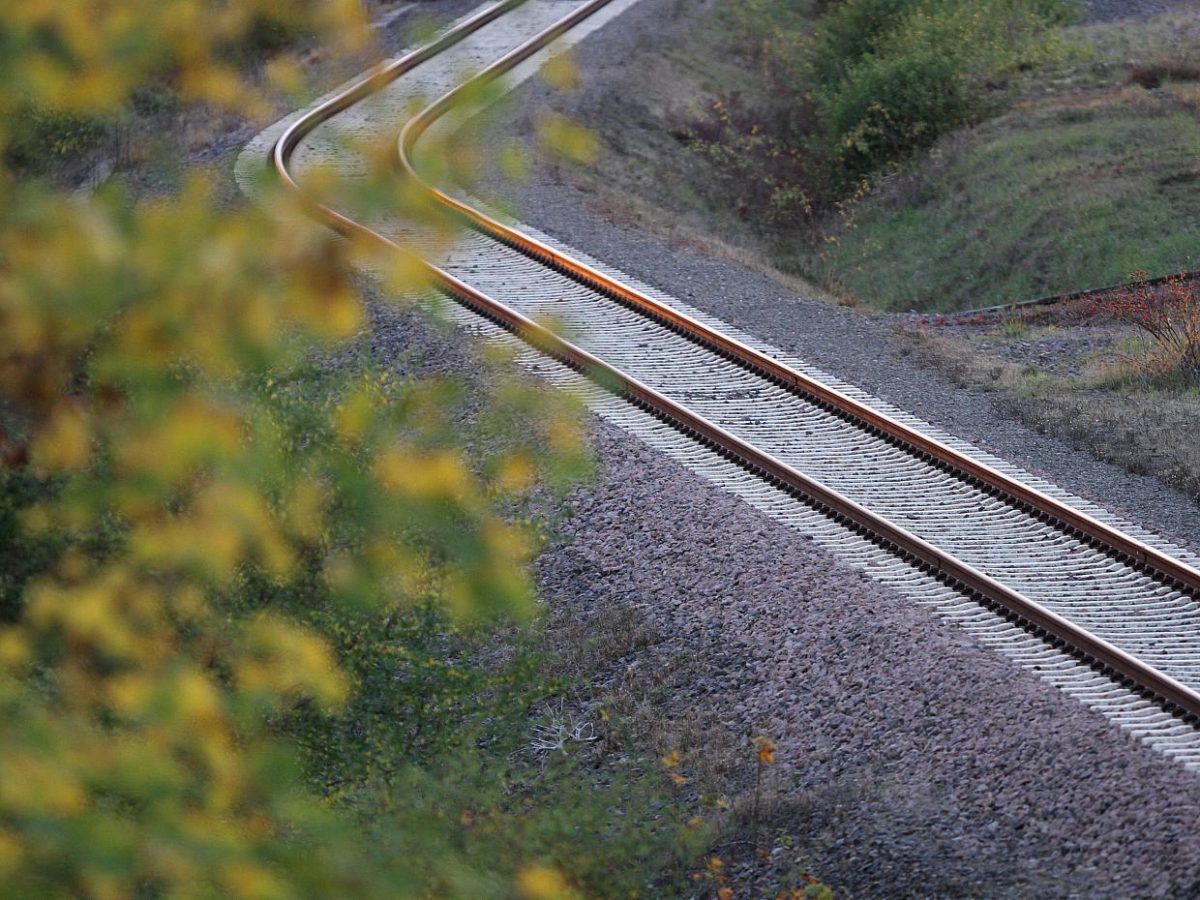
(764, 756)
(562, 730)
(1014, 328)
(1168, 315)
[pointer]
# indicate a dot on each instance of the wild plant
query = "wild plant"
(1168, 316)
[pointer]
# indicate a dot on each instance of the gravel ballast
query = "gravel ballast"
(916, 762)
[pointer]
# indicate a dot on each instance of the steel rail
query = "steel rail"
(283, 148)
(1055, 629)
(1125, 547)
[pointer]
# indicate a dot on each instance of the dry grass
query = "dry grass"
(1144, 427)
(637, 679)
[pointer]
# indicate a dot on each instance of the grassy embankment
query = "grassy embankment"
(1090, 176)
(1056, 168)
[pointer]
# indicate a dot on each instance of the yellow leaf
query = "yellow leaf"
(543, 883)
(422, 476)
(283, 661)
(249, 881)
(561, 73)
(14, 649)
(516, 474)
(766, 751)
(11, 852)
(65, 442)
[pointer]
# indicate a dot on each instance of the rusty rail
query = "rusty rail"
(1048, 625)
(1187, 277)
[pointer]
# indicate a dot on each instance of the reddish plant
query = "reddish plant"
(1153, 75)
(1168, 312)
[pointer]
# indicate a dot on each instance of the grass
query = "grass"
(1091, 176)
(1144, 425)
(1048, 202)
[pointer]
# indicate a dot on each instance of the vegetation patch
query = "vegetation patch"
(1071, 195)
(857, 86)
(1090, 177)
(1111, 375)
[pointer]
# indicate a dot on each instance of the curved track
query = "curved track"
(970, 538)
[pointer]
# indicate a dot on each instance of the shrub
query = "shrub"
(1168, 314)
(873, 82)
(851, 31)
(893, 75)
(764, 176)
(269, 33)
(40, 137)
(889, 107)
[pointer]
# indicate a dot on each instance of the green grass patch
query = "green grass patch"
(1031, 204)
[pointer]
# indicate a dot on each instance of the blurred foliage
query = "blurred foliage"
(249, 601)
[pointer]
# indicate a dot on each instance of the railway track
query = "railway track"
(1108, 615)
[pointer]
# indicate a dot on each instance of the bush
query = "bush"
(770, 179)
(873, 82)
(890, 107)
(40, 138)
(1168, 315)
(269, 33)
(891, 76)
(851, 31)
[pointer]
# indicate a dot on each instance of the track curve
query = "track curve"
(1158, 585)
